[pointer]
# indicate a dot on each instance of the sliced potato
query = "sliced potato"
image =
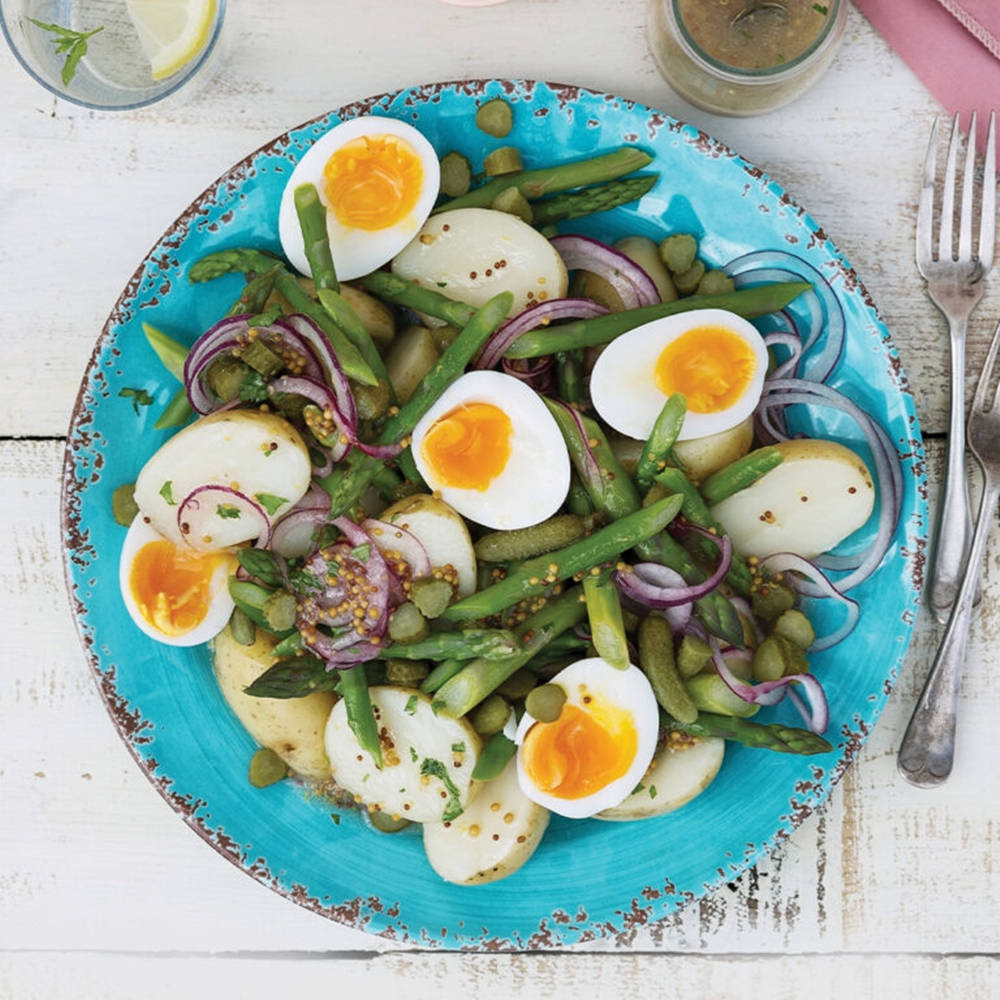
(443, 533)
(495, 835)
(292, 727)
(472, 254)
(821, 493)
(675, 777)
(427, 760)
(251, 451)
(705, 455)
(375, 316)
(409, 359)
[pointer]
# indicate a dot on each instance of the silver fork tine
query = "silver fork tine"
(965, 223)
(985, 378)
(945, 251)
(925, 211)
(987, 225)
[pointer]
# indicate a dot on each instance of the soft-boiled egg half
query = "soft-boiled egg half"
(378, 179)
(174, 594)
(491, 449)
(715, 358)
(595, 753)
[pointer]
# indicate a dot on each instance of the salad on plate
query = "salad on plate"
(488, 520)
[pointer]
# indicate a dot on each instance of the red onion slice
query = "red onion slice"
(634, 286)
(531, 318)
(297, 533)
(398, 543)
(825, 311)
(207, 508)
(771, 692)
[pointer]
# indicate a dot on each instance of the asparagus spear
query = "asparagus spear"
(467, 644)
(549, 180)
(604, 611)
(402, 292)
(749, 302)
(589, 201)
(479, 678)
(312, 221)
(771, 736)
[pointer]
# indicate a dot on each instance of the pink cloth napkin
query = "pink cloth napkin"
(952, 45)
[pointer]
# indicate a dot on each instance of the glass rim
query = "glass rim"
(734, 74)
(7, 31)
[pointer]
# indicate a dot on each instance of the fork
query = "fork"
(928, 748)
(955, 285)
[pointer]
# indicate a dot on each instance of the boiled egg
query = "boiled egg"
(174, 594)
(491, 449)
(378, 179)
(714, 357)
(595, 753)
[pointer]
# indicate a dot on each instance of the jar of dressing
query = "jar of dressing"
(743, 57)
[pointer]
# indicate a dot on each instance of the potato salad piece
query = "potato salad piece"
(819, 494)
(427, 760)
(678, 773)
(260, 455)
(471, 254)
(495, 835)
(292, 727)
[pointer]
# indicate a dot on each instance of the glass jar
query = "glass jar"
(695, 44)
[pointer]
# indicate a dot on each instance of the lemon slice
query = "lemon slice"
(171, 32)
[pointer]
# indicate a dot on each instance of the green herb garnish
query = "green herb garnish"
(436, 769)
(269, 502)
(73, 43)
(139, 398)
(167, 492)
(227, 511)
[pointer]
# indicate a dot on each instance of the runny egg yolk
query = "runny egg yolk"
(710, 365)
(470, 446)
(583, 751)
(373, 182)
(172, 586)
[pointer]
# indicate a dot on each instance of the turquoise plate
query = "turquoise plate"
(588, 879)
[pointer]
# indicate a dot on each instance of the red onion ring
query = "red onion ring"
(396, 541)
(634, 286)
(297, 533)
(825, 311)
(531, 318)
(201, 505)
(771, 692)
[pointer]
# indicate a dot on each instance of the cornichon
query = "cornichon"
(523, 543)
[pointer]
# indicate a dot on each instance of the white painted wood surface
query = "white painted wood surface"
(887, 891)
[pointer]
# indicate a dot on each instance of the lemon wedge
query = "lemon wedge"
(171, 32)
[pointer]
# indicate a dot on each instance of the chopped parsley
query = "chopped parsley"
(361, 552)
(411, 706)
(652, 791)
(304, 580)
(167, 492)
(227, 511)
(139, 397)
(336, 818)
(269, 502)
(458, 747)
(821, 9)
(414, 756)
(254, 388)
(436, 769)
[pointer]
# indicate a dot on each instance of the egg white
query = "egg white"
(356, 251)
(623, 386)
(535, 481)
(629, 690)
(220, 606)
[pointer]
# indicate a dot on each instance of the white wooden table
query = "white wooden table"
(886, 891)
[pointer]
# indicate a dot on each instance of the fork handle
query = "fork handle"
(927, 751)
(954, 521)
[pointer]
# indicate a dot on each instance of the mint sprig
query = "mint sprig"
(73, 43)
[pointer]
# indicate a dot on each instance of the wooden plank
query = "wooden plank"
(48, 976)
